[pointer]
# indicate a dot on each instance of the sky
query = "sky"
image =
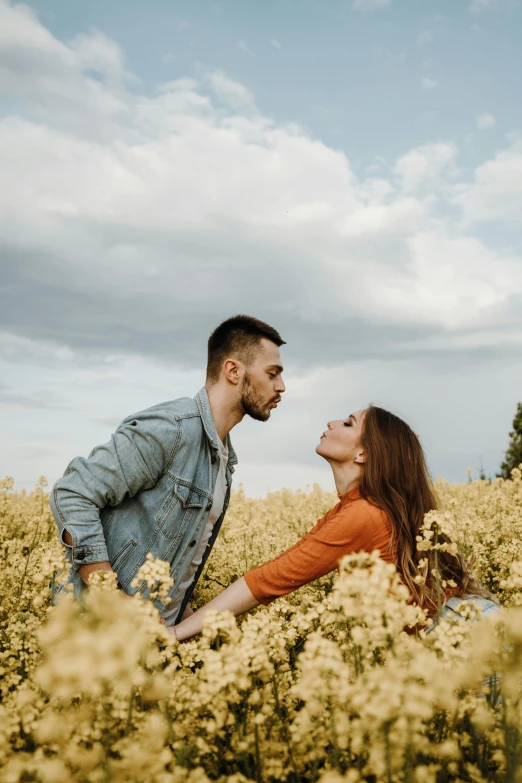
(348, 170)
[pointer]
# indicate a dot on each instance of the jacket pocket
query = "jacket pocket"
(182, 507)
(122, 555)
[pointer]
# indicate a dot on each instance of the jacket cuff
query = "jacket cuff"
(84, 554)
(87, 554)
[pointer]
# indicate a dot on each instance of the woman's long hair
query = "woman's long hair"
(395, 478)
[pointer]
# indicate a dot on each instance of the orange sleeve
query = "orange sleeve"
(347, 529)
(318, 525)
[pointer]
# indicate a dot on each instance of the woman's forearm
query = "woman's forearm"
(237, 598)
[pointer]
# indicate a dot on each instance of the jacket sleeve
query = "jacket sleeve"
(318, 553)
(134, 459)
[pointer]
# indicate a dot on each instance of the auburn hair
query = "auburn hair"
(395, 478)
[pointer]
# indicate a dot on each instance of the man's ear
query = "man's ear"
(233, 371)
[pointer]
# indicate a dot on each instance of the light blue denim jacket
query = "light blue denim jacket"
(149, 489)
(449, 608)
(449, 611)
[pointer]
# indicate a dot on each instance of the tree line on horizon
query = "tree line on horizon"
(513, 455)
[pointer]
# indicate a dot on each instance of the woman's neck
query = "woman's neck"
(346, 476)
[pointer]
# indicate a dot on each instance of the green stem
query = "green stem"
(335, 741)
(387, 749)
(5, 636)
(130, 710)
(437, 574)
(27, 562)
(259, 773)
(511, 747)
(284, 728)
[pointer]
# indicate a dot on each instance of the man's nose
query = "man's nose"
(280, 386)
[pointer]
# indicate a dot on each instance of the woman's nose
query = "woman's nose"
(329, 425)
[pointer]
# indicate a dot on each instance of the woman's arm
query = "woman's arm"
(237, 598)
(315, 555)
(318, 553)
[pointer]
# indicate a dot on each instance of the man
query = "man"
(162, 483)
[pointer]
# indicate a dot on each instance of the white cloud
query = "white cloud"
(15, 348)
(96, 52)
(132, 222)
(205, 188)
(369, 5)
(427, 83)
(54, 80)
(453, 281)
(233, 93)
(496, 191)
(427, 168)
(275, 43)
(396, 219)
(485, 121)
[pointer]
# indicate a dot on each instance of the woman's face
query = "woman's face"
(341, 441)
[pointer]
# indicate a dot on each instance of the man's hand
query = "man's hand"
(86, 570)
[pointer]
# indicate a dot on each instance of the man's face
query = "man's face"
(263, 382)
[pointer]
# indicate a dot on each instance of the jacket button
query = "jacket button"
(80, 555)
(193, 543)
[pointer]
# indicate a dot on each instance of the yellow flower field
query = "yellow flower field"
(321, 686)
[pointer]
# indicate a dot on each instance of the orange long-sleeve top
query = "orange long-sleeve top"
(353, 525)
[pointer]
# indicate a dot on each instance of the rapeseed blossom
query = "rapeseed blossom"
(334, 683)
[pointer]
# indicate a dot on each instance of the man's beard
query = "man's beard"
(252, 403)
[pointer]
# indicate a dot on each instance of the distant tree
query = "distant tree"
(513, 456)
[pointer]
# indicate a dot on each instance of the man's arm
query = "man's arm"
(134, 459)
(86, 570)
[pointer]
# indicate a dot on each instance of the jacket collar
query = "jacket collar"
(203, 404)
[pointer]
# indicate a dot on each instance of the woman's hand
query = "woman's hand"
(237, 598)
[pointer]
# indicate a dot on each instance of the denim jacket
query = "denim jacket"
(149, 489)
(449, 608)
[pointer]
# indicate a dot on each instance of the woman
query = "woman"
(384, 492)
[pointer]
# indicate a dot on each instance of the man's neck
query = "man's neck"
(225, 412)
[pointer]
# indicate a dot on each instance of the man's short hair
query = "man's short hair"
(240, 337)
